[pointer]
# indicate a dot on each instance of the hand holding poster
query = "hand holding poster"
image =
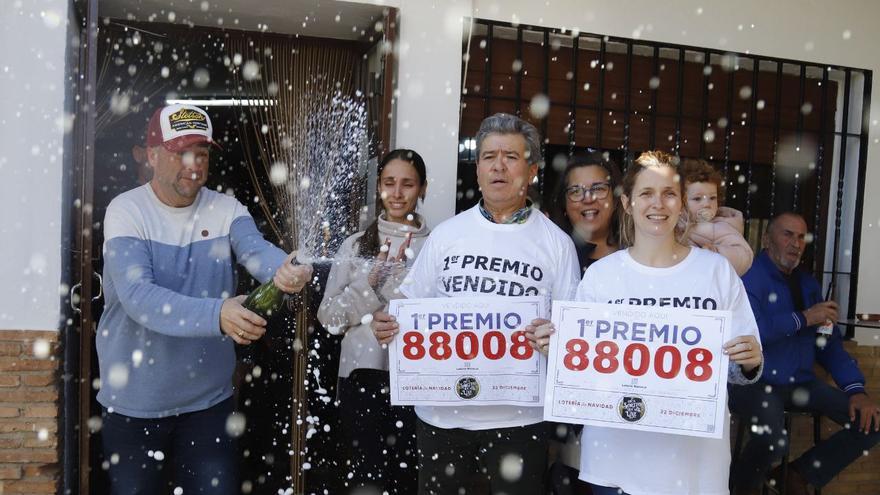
(644, 368)
(466, 351)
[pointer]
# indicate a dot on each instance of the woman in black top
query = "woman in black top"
(585, 205)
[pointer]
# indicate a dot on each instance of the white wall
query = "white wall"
(842, 33)
(429, 80)
(34, 36)
(429, 71)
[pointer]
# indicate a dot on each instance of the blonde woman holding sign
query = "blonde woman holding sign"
(655, 265)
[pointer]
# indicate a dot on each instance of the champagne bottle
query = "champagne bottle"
(265, 300)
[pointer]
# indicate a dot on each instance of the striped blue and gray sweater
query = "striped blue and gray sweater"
(166, 273)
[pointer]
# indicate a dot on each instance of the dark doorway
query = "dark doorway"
(139, 66)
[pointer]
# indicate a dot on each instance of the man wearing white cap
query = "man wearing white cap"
(165, 340)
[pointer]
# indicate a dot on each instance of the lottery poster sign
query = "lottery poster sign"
(466, 351)
(641, 368)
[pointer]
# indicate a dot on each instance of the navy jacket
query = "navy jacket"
(789, 344)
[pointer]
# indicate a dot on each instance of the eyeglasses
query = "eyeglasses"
(596, 191)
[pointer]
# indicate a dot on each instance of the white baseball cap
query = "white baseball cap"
(177, 127)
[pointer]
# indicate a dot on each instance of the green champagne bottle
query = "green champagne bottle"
(265, 300)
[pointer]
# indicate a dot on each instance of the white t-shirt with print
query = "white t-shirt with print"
(468, 255)
(643, 463)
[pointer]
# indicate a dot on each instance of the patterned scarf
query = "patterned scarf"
(519, 216)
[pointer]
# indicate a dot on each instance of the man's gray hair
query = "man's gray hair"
(505, 123)
(771, 225)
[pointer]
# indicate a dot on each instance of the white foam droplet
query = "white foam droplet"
(511, 467)
(51, 19)
(136, 357)
(539, 106)
(235, 424)
(251, 70)
(201, 78)
(41, 348)
(278, 173)
(95, 423)
(118, 376)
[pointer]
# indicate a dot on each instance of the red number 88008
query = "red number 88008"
(698, 368)
(466, 345)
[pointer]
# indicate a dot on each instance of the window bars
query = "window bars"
(786, 134)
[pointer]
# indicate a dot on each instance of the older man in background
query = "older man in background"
(797, 330)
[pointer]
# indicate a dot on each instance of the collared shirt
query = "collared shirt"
(793, 280)
(519, 216)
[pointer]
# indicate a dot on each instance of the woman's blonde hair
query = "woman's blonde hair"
(650, 159)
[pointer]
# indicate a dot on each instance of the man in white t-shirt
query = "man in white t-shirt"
(501, 247)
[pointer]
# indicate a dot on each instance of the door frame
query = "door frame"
(78, 335)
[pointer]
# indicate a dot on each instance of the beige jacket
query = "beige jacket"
(349, 301)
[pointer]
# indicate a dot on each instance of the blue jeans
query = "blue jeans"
(820, 464)
(199, 455)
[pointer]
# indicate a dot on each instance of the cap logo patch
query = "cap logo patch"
(186, 119)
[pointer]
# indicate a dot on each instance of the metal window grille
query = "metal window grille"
(786, 134)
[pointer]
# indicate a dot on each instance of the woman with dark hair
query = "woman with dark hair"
(584, 205)
(365, 274)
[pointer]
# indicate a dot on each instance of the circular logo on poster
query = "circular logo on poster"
(631, 409)
(467, 387)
